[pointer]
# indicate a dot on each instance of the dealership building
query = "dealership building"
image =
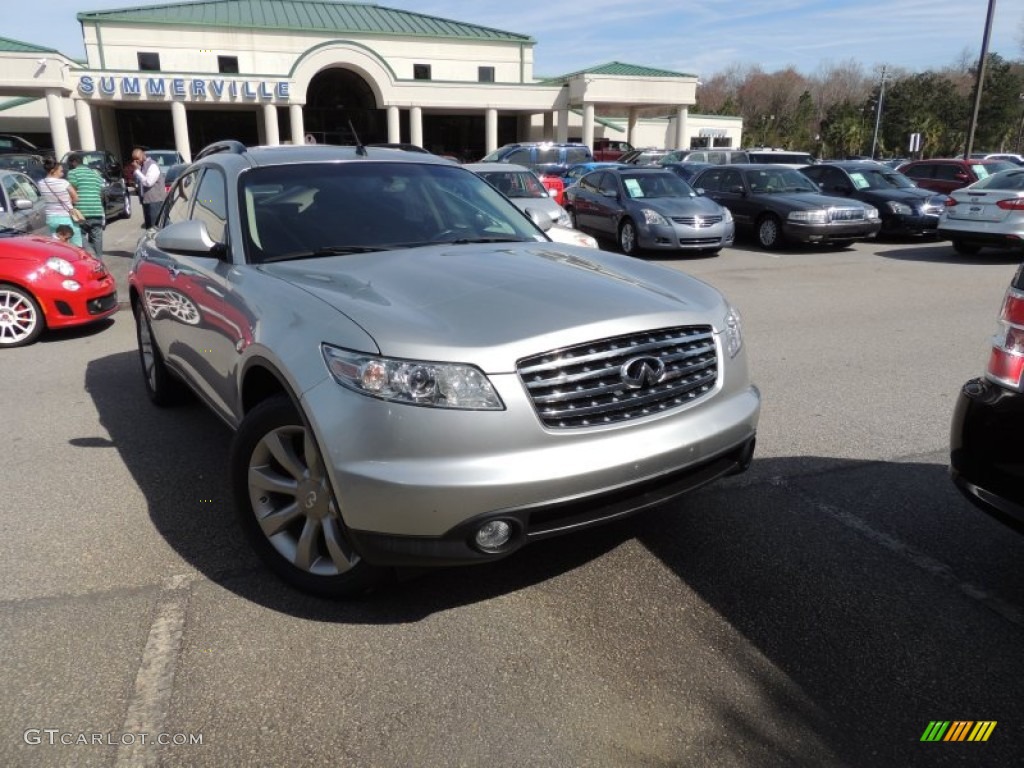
(182, 75)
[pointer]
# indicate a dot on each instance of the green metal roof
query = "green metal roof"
(12, 103)
(620, 69)
(17, 46)
(303, 16)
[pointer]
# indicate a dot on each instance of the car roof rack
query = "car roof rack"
(228, 145)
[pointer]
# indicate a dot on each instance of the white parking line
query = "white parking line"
(154, 683)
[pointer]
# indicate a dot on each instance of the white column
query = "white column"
(83, 116)
(180, 122)
(416, 126)
(394, 125)
(682, 128)
(631, 126)
(270, 124)
(490, 130)
(562, 134)
(588, 124)
(58, 122)
(297, 126)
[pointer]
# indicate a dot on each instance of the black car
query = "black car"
(905, 208)
(779, 204)
(117, 203)
(685, 171)
(27, 163)
(986, 457)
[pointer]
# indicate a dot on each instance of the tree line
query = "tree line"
(832, 113)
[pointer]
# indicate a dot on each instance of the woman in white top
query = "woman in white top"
(60, 197)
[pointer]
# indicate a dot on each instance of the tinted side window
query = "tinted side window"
(609, 186)
(710, 180)
(519, 157)
(947, 172)
(922, 171)
(577, 155)
(177, 205)
(731, 179)
(212, 205)
(589, 182)
(548, 155)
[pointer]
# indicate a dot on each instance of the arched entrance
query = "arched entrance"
(336, 97)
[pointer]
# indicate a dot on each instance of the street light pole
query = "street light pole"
(969, 147)
(878, 113)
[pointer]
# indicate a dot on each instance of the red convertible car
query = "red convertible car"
(45, 283)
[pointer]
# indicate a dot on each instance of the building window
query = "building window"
(227, 65)
(421, 71)
(149, 62)
(485, 74)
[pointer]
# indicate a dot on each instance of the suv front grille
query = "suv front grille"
(621, 378)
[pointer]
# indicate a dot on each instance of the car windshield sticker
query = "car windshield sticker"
(980, 171)
(859, 181)
(633, 188)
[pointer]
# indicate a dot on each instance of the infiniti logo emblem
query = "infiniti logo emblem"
(642, 371)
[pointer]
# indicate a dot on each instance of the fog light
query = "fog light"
(493, 536)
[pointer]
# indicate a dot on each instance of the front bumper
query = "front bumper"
(987, 450)
(913, 224)
(676, 237)
(412, 483)
(95, 300)
(992, 234)
(826, 233)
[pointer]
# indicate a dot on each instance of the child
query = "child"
(64, 233)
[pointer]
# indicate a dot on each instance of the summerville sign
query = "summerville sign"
(183, 88)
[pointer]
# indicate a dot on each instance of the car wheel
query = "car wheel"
(21, 319)
(627, 237)
(162, 386)
(965, 249)
(127, 214)
(572, 218)
(286, 505)
(769, 231)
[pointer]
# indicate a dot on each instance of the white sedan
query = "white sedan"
(989, 212)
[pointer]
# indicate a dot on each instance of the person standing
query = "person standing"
(150, 180)
(88, 183)
(60, 197)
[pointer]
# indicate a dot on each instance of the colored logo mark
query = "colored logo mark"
(958, 730)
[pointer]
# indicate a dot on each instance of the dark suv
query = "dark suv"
(544, 157)
(945, 175)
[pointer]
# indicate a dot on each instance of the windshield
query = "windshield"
(648, 185)
(984, 170)
(30, 165)
(880, 178)
(780, 180)
(311, 209)
(163, 158)
(515, 184)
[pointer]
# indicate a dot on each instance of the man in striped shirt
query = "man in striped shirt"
(89, 185)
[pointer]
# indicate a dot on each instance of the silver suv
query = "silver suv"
(415, 374)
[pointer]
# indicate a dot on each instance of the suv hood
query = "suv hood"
(491, 304)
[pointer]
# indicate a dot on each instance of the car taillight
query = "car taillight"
(950, 202)
(1013, 204)
(1006, 363)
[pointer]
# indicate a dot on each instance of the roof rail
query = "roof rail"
(228, 145)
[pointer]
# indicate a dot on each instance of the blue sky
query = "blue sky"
(702, 38)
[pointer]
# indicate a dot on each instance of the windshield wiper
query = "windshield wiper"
(467, 240)
(330, 250)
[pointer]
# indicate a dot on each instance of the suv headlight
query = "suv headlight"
(416, 382)
(809, 217)
(900, 209)
(732, 332)
(654, 218)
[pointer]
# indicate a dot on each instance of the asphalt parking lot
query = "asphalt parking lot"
(820, 610)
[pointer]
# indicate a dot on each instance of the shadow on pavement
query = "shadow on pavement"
(943, 253)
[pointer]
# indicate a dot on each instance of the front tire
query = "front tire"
(127, 214)
(21, 319)
(572, 218)
(769, 232)
(627, 238)
(162, 387)
(287, 508)
(965, 249)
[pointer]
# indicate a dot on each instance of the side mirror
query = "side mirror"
(540, 218)
(22, 204)
(189, 238)
(738, 190)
